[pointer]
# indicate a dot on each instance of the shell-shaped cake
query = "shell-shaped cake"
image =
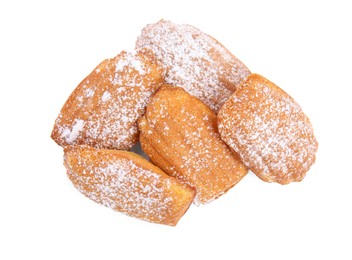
(179, 134)
(269, 130)
(194, 61)
(103, 110)
(126, 182)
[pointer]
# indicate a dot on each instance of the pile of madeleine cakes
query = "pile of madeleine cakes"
(198, 113)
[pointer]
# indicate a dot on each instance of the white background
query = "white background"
(48, 47)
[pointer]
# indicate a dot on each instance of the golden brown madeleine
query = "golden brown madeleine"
(103, 110)
(194, 61)
(127, 183)
(269, 130)
(179, 134)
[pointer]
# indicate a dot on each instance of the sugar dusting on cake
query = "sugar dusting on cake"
(194, 61)
(70, 135)
(119, 183)
(184, 135)
(269, 131)
(105, 107)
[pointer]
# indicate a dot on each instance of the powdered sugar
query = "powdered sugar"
(106, 96)
(194, 61)
(71, 135)
(89, 92)
(130, 62)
